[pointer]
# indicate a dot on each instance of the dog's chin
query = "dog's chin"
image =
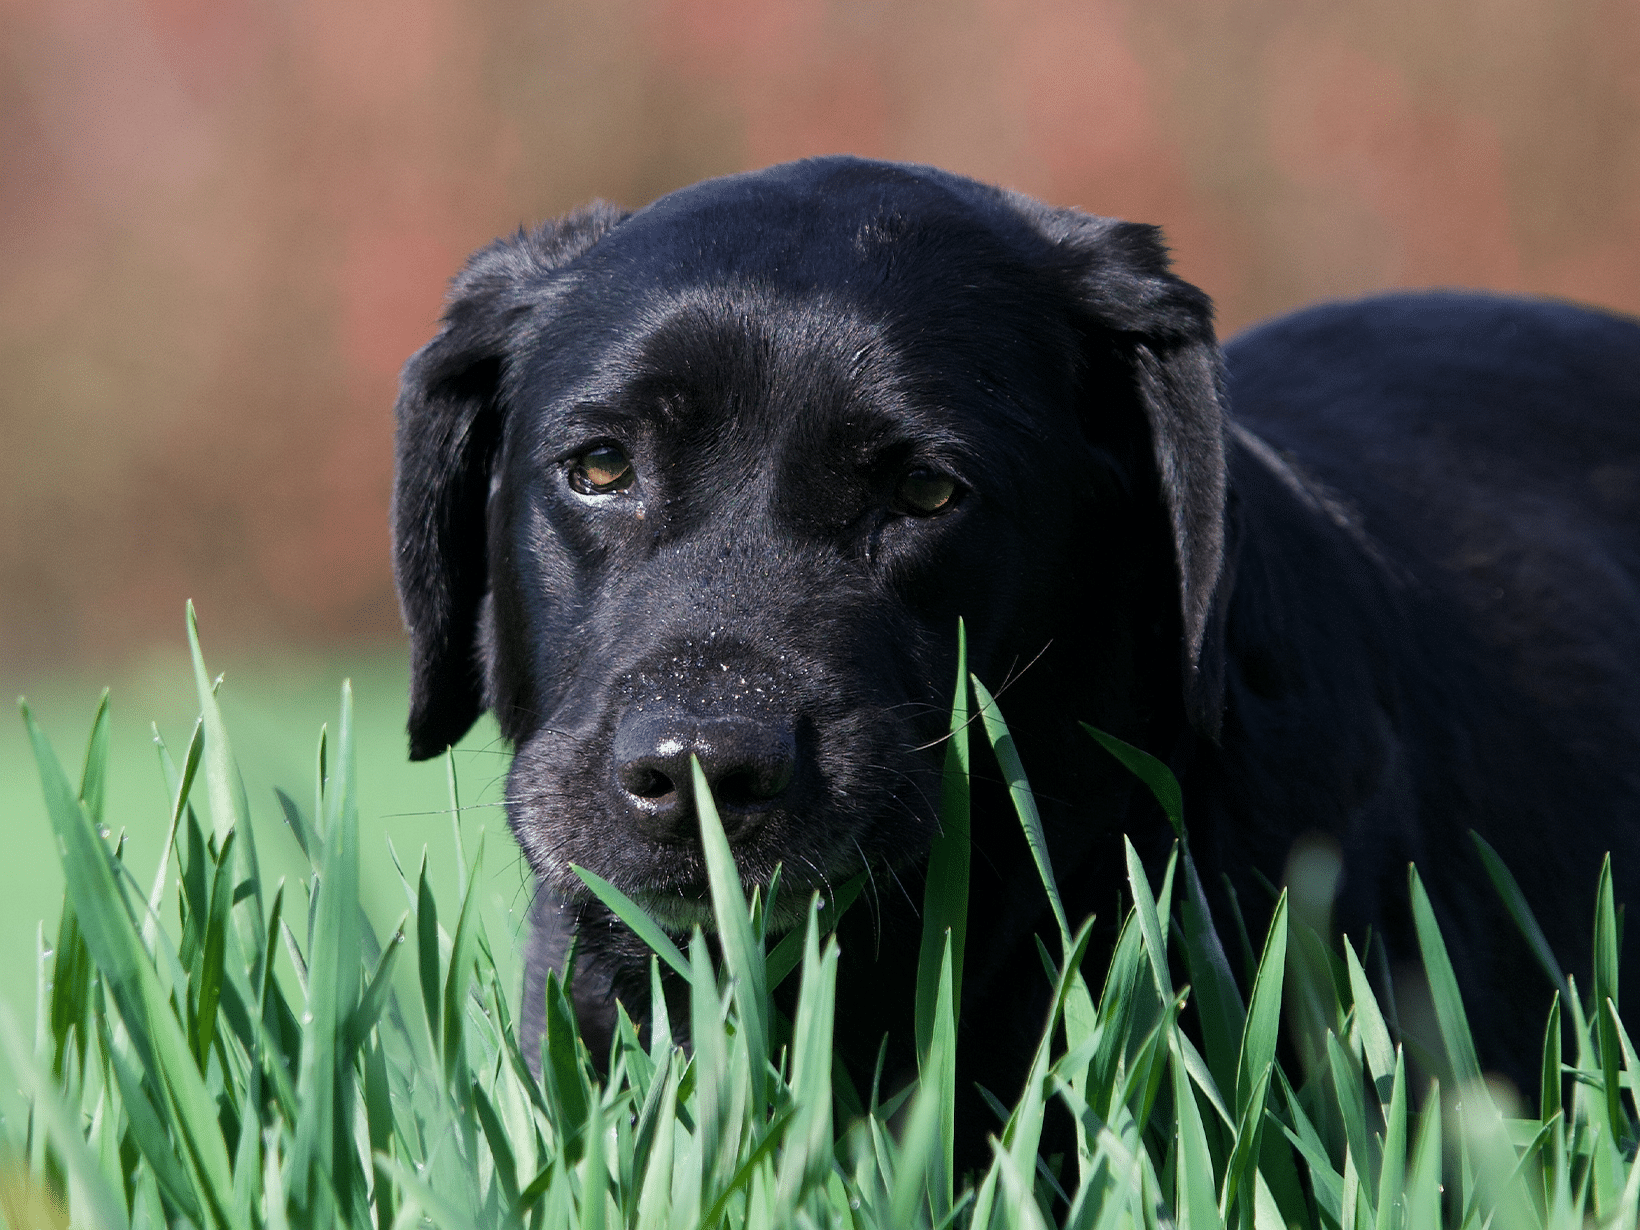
(679, 912)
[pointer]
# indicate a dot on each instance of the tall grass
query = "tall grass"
(211, 1050)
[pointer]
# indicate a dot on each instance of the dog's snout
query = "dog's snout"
(748, 762)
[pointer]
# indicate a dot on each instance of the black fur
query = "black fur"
(1396, 597)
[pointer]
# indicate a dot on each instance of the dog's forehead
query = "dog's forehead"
(821, 219)
(838, 284)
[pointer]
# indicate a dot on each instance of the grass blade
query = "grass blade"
(209, 972)
(1606, 938)
(94, 773)
(457, 979)
(180, 791)
(146, 1128)
(808, 1154)
(225, 788)
(633, 915)
(787, 955)
(1242, 1165)
(1150, 926)
(563, 1079)
(442, 1212)
(1197, 1198)
(1443, 988)
(1351, 1108)
(1263, 1026)
(1151, 771)
(1019, 789)
(1514, 901)
(1604, 1007)
(1024, 1128)
(312, 847)
(427, 955)
(1370, 1024)
(1392, 1175)
(741, 950)
(1549, 1096)
(323, 1143)
(376, 991)
(945, 894)
(1423, 1184)
(1214, 992)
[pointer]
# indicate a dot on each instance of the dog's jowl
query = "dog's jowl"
(718, 477)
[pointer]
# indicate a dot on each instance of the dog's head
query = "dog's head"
(718, 477)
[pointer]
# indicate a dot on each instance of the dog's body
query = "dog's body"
(719, 477)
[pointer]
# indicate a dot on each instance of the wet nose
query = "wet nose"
(748, 762)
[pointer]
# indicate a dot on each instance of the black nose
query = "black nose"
(747, 761)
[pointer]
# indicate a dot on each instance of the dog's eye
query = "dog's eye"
(598, 471)
(924, 492)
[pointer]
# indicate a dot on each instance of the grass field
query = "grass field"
(311, 1039)
(274, 708)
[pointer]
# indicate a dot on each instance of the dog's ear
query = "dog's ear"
(450, 413)
(1161, 329)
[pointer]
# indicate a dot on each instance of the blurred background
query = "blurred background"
(224, 224)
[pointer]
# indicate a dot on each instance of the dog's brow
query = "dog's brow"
(574, 422)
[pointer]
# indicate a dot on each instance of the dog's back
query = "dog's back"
(1468, 570)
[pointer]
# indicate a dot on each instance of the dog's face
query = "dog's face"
(718, 478)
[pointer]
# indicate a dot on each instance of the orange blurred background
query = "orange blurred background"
(224, 224)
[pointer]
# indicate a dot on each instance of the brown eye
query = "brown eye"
(924, 492)
(598, 471)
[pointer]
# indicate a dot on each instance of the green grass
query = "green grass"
(218, 1046)
(274, 705)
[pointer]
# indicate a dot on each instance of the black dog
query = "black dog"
(718, 477)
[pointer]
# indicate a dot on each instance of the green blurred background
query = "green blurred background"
(224, 224)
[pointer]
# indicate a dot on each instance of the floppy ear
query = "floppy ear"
(1162, 328)
(450, 413)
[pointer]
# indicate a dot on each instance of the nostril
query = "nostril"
(750, 785)
(647, 782)
(738, 790)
